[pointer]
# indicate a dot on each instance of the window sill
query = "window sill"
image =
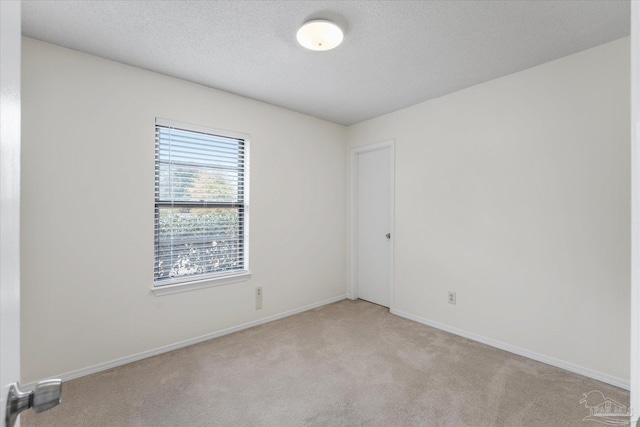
(200, 283)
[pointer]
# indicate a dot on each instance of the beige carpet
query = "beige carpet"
(346, 364)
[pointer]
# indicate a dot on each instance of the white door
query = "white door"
(635, 212)
(46, 394)
(372, 195)
(9, 199)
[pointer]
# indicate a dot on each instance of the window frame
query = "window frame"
(204, 280)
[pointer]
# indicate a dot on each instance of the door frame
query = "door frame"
(635, 214)
(353, 214)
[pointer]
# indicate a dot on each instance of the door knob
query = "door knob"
(45, 396)
(388, 236)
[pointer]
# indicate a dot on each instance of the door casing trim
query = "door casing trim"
(353, 214)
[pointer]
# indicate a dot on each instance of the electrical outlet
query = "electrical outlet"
(452, 298)
(259, 298)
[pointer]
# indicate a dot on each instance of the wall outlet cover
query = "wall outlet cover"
(259, 298)
(452, 298)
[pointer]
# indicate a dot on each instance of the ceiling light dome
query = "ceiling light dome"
(319, 34)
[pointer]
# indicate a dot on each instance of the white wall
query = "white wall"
(515, 194)
(87, 211)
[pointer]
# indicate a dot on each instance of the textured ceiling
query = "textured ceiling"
(395, 53)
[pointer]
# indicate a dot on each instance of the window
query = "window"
(201, 206)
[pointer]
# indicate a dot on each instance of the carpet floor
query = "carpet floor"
(350, 363)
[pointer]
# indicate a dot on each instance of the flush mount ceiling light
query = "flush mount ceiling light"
(319, 34)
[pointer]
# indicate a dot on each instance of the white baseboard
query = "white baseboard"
(164, 349)
(618, 382)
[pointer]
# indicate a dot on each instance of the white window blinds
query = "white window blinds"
(200, 203)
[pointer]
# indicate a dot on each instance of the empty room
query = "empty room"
(320, 213)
